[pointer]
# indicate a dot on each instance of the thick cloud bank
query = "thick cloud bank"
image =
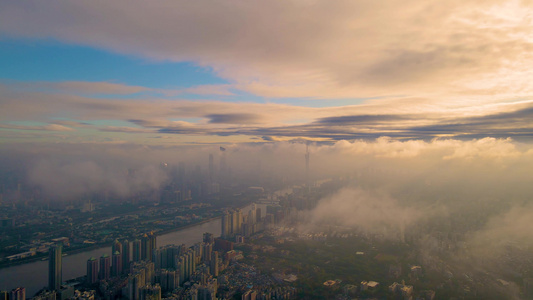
(363, 210)
(70, 179)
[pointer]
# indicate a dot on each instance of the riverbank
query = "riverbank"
(67, 251)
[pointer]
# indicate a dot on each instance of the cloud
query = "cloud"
(126, 129)
(425, 70)
(347, 120)
(210, 118)
(234, 118)
(268, 138)
(49, 127)
(317, 49)
(72, 123)
(503, 230)
(369, 212)
(77, 178)
(482, 165)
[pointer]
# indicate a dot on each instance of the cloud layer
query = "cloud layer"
(67, 112)
(416, 70)
(307, 49)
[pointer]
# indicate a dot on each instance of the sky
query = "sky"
(213, 72)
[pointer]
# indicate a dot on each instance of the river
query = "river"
(34, 276)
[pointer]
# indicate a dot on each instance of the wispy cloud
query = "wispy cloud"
(217, 118)
(49, 127)
(126, 129)
(234, 118)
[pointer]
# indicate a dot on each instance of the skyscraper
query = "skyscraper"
(223, 172)
(208, 238)
(236, 222)
(54, 267)
(117, 264)
(148, 245)
(151, 292)
(152, 244)
(136, 245)
(258, 215)
(211, 169)
(18, 294)
(251, 214)
(206, 251)
(117, 246)
(145, 249)
(307, 167)
(105, 267)
(213, 264)
(125, 255)
(92, 270)
(226, 225)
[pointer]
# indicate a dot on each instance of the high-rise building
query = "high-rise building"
(147, 269)
(47, 295)
(258, 215)
(251, 214)
(169, 280)
(4, 295)
(66, 292)
(152, 244)
(307, 186)
(172, 254)
(236, 222)
(54, 267)
(116, 246)
(226, 225)
(105, 267)
(192, 262)
(180, 270)
(144, 247)
(18, 294)
(152, 292)
(211, 169)
(160, 258)
(116, 269)
(148, 245)
(206, 252)
(136, 281)
(208, 238)
(92, 270)
(137, 250)
(213, 264)
(125, 255)
(165, 257)
(223, 174)
(249, 295)
(198, 249)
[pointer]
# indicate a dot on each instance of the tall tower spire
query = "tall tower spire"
(307, 167)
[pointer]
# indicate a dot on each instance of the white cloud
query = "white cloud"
(319, 49)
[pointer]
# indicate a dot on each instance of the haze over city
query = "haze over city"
(406, 123)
